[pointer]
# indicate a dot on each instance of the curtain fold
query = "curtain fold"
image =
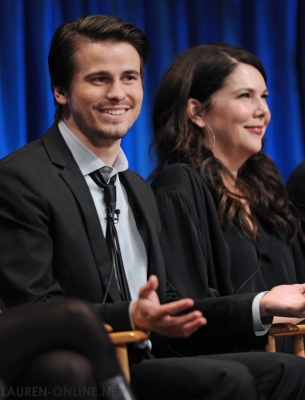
(273, 30)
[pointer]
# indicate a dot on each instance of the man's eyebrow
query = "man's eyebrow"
(107, 73)
(97, 73)
(132, 71)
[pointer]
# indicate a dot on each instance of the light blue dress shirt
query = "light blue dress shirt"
(132, 246)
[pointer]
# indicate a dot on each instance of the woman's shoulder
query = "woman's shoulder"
(180, 178)
(175, 176)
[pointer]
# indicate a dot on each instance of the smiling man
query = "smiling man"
(105, 95)
(57, 209)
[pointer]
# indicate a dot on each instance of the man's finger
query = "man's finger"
(187, 329)
(176, 306)
(151, 285)
(187, 318)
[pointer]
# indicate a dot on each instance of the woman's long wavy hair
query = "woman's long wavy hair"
(198, 73)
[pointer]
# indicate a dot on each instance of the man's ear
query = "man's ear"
(60, 95)
(195, 112)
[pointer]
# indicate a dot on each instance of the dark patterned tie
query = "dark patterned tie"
(112, 239)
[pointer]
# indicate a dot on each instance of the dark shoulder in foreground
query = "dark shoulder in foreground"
(24, 151)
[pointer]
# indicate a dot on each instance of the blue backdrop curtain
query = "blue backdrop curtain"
(272, 29)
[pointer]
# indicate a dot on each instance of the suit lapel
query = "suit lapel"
(60, 155)
(137, 202)
(141, 200)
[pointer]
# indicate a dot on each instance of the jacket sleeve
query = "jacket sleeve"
(26, 246)
(116, 315)
(229, 329)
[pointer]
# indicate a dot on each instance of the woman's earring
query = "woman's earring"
(213, 136)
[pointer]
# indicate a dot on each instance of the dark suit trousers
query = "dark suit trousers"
(239, 376)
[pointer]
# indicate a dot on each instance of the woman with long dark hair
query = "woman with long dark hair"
(226, 217)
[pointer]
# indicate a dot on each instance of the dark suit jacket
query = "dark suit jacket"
(52, 245)
(296, 190)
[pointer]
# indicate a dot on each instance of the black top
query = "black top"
(202, 258)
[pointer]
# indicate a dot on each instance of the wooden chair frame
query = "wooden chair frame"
(297, 333)
(120, 341)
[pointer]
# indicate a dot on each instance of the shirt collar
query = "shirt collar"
(85, 158)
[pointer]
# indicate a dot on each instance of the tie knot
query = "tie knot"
(109, 190)
(105, 172)
(100, 178)
(106, 168)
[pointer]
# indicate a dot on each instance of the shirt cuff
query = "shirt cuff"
(260, 328)
(146, 344)
(130, 315)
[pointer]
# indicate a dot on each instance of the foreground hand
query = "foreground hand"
(149, 314)
(284, 301)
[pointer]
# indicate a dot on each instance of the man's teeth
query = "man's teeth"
(115, 112)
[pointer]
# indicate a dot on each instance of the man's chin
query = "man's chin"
(111, 135)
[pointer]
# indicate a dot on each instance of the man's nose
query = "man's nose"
(116, 91)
